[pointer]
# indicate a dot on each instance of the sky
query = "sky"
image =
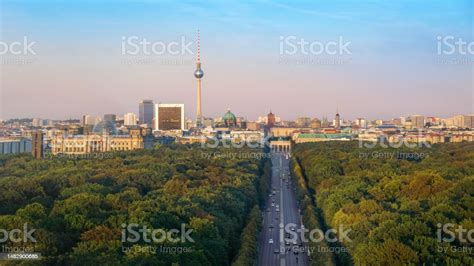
(83, 63)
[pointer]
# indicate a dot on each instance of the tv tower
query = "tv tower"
(198, 73)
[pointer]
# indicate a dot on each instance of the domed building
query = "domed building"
(229, 119)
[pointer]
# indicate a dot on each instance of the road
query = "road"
(279, 252)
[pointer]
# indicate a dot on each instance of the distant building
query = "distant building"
(417, 121)
(111, 118)
(361, 122)
(460, 121)
(284, 131)
(130, 119)
(337, 121)
(253, 126)
(229, 119)
(14, 145)
(98, 143)
(145, 112)
(37, 122)
(88, 120)
(315, 123)
(271, 120)
(169, 117)
(303, 121)
(396, 121)
(37, 144)
(207, 122)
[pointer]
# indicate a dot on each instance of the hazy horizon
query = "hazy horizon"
(393, 68)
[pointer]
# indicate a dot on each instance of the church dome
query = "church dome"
(229, 118)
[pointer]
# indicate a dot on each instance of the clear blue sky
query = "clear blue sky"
(392, 71)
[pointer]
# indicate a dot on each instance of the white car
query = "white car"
(270, 241)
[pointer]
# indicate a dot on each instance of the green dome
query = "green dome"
(229, 116)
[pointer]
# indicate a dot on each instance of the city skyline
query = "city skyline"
(388, 73)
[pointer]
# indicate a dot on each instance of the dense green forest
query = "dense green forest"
(78, 206)
(393, 200)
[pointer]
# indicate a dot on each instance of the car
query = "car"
(273, 204)
(295, 251)
(287, 243)
(270, 241)
(293, 229)
(294, 242)
(271, 226)
(276, 251)
(268, 209)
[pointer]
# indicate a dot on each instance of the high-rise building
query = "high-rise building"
(169, 117)
(198, 73)
(88, 120)
(417, 121)
(37, 144)
(337, 121)
(130, 119)
(361, 122)
(37, 122)
(110, 118)
(145, 112)
(271, 119)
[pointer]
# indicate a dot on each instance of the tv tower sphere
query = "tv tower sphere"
(198, 73)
